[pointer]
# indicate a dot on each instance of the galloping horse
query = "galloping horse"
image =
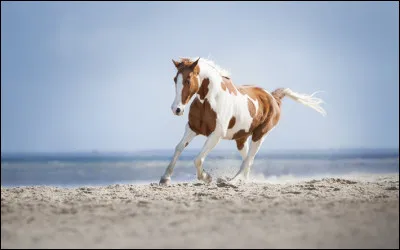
(222, 110)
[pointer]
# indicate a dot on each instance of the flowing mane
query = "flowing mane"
(221, 71)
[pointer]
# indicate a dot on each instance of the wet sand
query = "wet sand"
(321, 213)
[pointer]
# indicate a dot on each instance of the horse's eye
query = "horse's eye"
(187, 81)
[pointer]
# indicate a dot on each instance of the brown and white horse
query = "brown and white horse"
(222, 110)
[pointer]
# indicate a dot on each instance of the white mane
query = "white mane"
(221, 71)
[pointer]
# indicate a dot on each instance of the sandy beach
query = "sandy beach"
(356, 212)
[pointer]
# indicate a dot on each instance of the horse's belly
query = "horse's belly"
(229, 134)
(240, 124)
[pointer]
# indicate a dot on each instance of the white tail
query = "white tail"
(308, 100)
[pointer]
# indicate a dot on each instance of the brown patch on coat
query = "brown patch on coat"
(202, 118)
(240, 142)
(252, 107)
(240, 134)
(227, 84)
(203, 91)
(266, 117)
(232, 122)
(190, 71)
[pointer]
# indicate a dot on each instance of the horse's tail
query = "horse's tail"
(307, 100)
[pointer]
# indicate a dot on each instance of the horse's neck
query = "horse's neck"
(214, 78)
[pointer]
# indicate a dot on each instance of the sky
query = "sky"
(83, 76)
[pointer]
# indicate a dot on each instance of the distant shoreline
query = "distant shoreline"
(335, 151)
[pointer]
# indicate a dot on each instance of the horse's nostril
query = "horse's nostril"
(178, 110)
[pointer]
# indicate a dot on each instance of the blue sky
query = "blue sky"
(82, 76)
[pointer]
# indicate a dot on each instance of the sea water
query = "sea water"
(94, 169)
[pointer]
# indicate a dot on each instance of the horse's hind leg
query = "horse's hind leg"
(211, 142)
(248, 161)
(186, 139)
(243, 146)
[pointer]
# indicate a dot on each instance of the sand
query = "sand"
(319, 213)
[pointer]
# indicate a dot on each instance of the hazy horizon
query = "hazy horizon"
(196, 150)
(98, 76)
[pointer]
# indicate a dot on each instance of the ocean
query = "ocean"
(96, 168)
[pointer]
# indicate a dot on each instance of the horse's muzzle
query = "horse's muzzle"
(177, 110)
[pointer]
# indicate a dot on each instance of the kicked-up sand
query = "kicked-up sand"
(317, 213)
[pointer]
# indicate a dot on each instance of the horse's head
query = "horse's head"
(186, 84)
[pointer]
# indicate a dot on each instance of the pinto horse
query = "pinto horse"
(222, 110)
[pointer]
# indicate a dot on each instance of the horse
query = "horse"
(223, 111)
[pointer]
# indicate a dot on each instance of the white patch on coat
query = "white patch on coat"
(178, 95)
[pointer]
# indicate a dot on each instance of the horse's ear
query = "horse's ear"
(177, 64)
(194, 64)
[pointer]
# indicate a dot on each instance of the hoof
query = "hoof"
(208, 178)
(165, 181)
(224, 180)
(205, 177)
(221, 180)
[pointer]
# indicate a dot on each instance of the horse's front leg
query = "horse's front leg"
(211, 142)
(186, 139)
